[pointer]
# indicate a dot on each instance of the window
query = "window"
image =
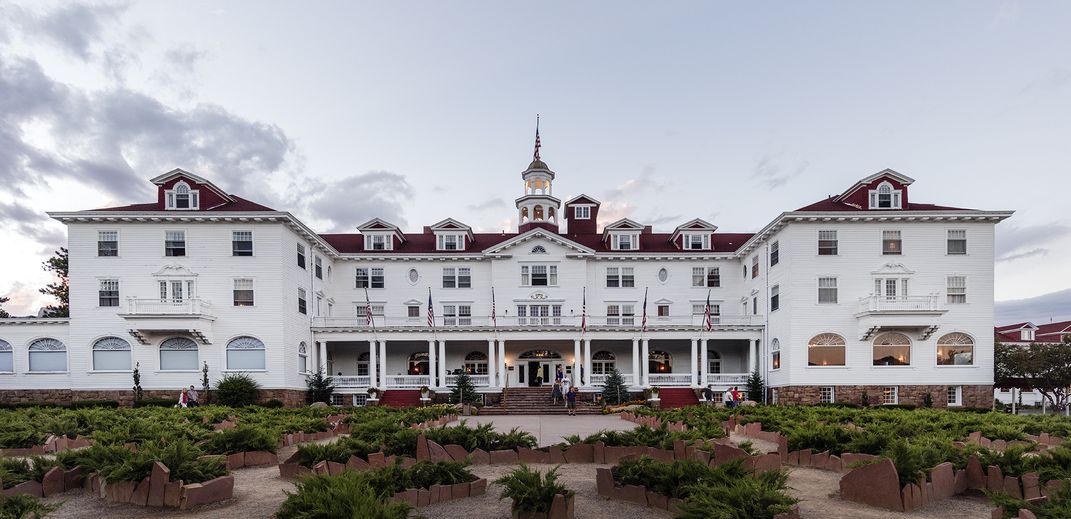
(182, 197)
(457, 315)
(626, 242)
(696, 241)
(775, 253)
(301, 305)
(754, 306)
(111, 354)
(318, 267)
(7, 357)
(699, 311)
(412, 311)
(713, 362)
(954, 396)
(754, 267)
(890, 395)
(361, 311)
(745, 271)
(602, 362)
(48, 356)
(378, 242)
(178, 354)
(892, 349)
(827, 243)
(775, 297)
(175, 243)
(825, 395)
(539, 249)
(539, 275)
(1026, 334)
(243, 292)
(539, 314)
(107, 243)
(621, 314)
(582, 212)
(369, 277)
(826, 349)
(301, 255)
(450, 242)
(460, 277)
(362, 364)
(663, 310)
(709, 277)
(957, 241)
(775, 354)
(659, 361)
(242, 243)
(109, 292)
(891, 243)
(302, 358)
(245, 353)
(663, 275)
(319, 305)
(623, 277)
(418, 364)
(957, 289)
(955, 349)
(885, 197)
(827, 290)
(413, 276)
(476, 363)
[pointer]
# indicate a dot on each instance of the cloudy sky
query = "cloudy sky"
(422, 110)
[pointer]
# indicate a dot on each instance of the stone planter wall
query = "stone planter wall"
(291, 469)
(418, 497)
(438, 422)
(560, 508)
(251, 459)
(52, 445)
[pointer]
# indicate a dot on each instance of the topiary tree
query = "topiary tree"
(614, 390)
(237, 390)
(756, 387)
(204, 385)
(464, 391)
(137, 383)
(320, 388)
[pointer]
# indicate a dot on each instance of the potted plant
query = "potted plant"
(373, 393)
(535, 495)
(652, 393)
(424, 390)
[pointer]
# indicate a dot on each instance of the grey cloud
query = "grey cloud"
(489, 204)
(76, 27)
(1011, 240)
(25, 300)
(617, 203)
(33, 224)
(657, 221)
(356, 199)
(770, 171)
(1055, 79)
(185, 59)
(1022, 255)
(1054, 305)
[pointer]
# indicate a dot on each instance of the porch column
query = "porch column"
(322, 357)
(753, 356)
(695, 376)
(383, 363)
(646, 356)
(373, 367)
(491, 364)
(442, 362)
(577, 362)
(635, 361)
(587, 362)
(431, 364)
(704, 360)
(504, 373)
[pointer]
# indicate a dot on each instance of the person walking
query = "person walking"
(192, 397)
(570, 401)
(559, 374)
(736, 396)
(566, 385)
(556, 393)
(727, 399)
(708, 395)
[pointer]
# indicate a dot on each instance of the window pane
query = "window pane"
(7, 362)
(178, 360)
(245, 359)
(106, 360)
(48, 361)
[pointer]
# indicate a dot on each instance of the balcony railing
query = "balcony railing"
(350, 381)
(875, 303)
(594, 322)
(670, 379)
(477, 380)
(727, 379)
(155, 306)
(600, 380)
(407, 381)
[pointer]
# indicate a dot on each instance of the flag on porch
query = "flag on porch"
(643, 323)
(494, 318)
(431, 311)
(369, 321)
(708, 321)
(584, 311)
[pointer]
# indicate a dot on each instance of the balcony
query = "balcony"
(153, 316)
(921, 314)
(900, 305)
(670, 379)
(727, 379)
(594, 322)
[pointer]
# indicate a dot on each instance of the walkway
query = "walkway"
(550, 429)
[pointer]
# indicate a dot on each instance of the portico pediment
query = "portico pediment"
(892, 269)
(174, 271)
(534, 237)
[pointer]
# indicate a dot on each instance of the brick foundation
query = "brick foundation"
(289, 397)
(972, 396)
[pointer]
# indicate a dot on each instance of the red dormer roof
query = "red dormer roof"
(857, 197)
(211, 197)
(237, 204)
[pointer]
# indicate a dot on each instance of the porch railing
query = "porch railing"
(157, 306)
(477, 380)
(350, 381)
(594, 322)
(600, 380)
(727, 379)
(875, 303)
(670, 379)
(407, 381)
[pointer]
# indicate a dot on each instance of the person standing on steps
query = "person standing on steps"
(559, 374)
(566, 385)
(539, 376)
(570, 401)
(556, 393)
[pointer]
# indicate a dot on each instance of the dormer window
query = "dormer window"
(582, 212)
(626, 242)
(182, 197)
(696, 241)
(377, 242)
(451, 242)
(885, 197)
(1027, 334)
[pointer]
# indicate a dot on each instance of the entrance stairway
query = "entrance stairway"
(674, 397)
(535, 400)
(400, 398)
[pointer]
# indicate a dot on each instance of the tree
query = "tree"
(320, 388)
(1042, 367)
(60, 289)
(614, 390)
(137, 383)
(205, 397)
(464, 390)
(3, 313)
(756, 387)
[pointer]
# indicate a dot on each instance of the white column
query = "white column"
(383, 364)
(373, 366)
(492, 366)
(704, 360)
(504, 373)
(577, 362)
(635, 361)
(587, 362)
(432, 377)
(753, 357)
(695, 360)
(442, 362)
(322, 354)
(645, 357)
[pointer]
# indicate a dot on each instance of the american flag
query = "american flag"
(537, 145)
(494, 318)
(708, 321)
(643, 323)
(369, 321)
(431, 311)
(584, 312)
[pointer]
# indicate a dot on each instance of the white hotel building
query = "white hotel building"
(867, 291)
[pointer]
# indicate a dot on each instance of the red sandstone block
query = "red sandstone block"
(994, 479)
(656, 500)
(1012, 488)
(52, 482)
(834, 463)
(434, 494)
(805, 458)
(556, 455)
(422, 452)
(680, 449)
(355, 463)
(526, 455)
(944, 481)
(478, 487)
(794, 458)
(726, 453)
(140, 496)
(461, 490)
(407, 496)
(480, 457)
(293, 470)
(73, 478)
(674, 505)
(876, 485)
(975, 474)
(456, 452)
(599, 453)
(213, 491)
(604, 482)
(158, 480)
(334, 468)
(1031, 490)
(631, 493)
(321, 468)
(580, 453)
(235, 461)
(820, 460)
(503, 457)
(423, 497)
(260, 458)
(436, 451)
(377, 459)
(32, 488)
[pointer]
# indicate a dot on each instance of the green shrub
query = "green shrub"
(18, 470)
(23, 506)
(310, 454)
(320, 388)
(80, 404)
(20, 436)
(237, 390)
(94, 458)
(755, 497)
(393, 479)
(348, 495)
(157, 402)
(530, 490)
(274, 403)
(183, 458)
(241, 439)
(1057, 506)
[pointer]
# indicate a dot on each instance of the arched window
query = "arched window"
(178, 354)
(7, 358)
(892, 349)
(111, 354)
(245, 353)
(551, 214)
(602, 362)
(539, 249)
(537, 213)
(775, 354)
(524, 214)
(48, 356)
(659, 361)
(476, 363)
(955, 349)
(540, 354)
(713, 362)
(362, 364)
(302, 358)
(418, 363)
(826, 349)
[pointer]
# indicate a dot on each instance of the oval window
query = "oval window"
(414, 276)
(663, 274)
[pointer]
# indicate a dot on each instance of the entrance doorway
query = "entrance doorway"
(534, 378)
(532, 361)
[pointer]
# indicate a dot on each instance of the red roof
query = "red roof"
(426, 243)
(1051, 332)
(239, 204)
(830, 204)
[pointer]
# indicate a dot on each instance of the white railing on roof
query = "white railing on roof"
(875, 303)
(157, 306)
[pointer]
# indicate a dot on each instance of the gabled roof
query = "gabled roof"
(450, 224)
(539, 232)
(1016, 326)
(377, 224)
(177, 172)
(697, 224)
(237, 204)
(582, 199)
(887, 173)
